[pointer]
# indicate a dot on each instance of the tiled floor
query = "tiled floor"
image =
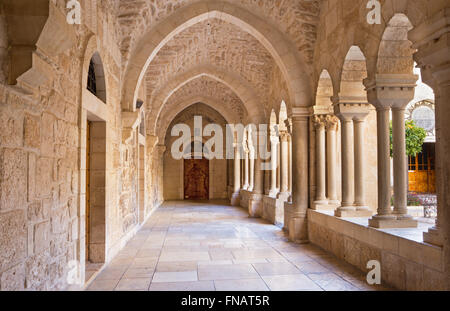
(191, 246)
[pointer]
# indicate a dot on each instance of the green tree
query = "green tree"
(415, 137)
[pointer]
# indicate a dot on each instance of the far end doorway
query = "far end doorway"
(196, 179)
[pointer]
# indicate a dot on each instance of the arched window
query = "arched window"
(96, 78)
(92, 83)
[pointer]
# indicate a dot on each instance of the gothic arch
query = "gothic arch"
(243, 89)
(325, 90)
(167, 116)
(395, 51)
(354, 71)
(287, 58)
(93, 52)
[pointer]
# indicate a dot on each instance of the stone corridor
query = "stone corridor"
(207, 246)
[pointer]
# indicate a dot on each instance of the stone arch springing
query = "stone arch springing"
(354, 71)
(395, 51)
(96, 77)
(283, 51)
(324, 91)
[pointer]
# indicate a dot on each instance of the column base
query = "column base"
(284, 196)
(392, 221)
(273, 193)
(287, 215)
(433, 236)
(298, 230)
(320, 204)
(235, 199)
(345, 212)
(255, 205)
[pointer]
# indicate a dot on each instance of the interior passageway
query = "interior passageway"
(210, 246)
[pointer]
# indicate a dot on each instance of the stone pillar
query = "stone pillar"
(274, 141)
(237, 176)
(332, 127)
(320, 158)
(251, 184)
(386, 91)
(432, 41)
(347, 113)
(255, 204)
(360, 193)
(284, 191)
(246, 167)
(300, 191)
(400, 163)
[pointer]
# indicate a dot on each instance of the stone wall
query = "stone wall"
(43, 161)
(405, 264)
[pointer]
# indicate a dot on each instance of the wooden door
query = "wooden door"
(196, 179)
(422, 174)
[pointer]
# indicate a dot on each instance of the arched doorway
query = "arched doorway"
(196, 173)
(196, 179)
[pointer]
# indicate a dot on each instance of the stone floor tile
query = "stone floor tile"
(167, 277)
(226, 272)
(295, 282)
(241, 285)
(279, 268)
(133, 284)
(183, 286)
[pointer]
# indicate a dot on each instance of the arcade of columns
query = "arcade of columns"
(41, 167)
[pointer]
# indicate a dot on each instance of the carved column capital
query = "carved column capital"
(319, 121)
(284, 136)
(331, 123)
(391, 90)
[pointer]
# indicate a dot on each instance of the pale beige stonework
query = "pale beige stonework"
(316, 71)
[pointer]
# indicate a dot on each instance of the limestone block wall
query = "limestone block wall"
(405, 264)
(43, 162)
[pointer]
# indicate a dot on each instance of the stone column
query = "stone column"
(400, 163)
(386, 91)
(347, 113)
(347, 167)
(300, 190)
(237, 176)
(284, 191)
(251, 185)
(360, 193)
(274, 141)
(319, 124)
(246, 167)
(332, 127)
(255, 205)
(432, 41)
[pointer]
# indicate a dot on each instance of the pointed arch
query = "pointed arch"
(353, 73)
(290, 62)
(243, 89)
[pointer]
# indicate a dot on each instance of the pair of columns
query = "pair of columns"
(285, 189)
(353, 120)
(326, 160)
(252, 177)
(391, 92)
